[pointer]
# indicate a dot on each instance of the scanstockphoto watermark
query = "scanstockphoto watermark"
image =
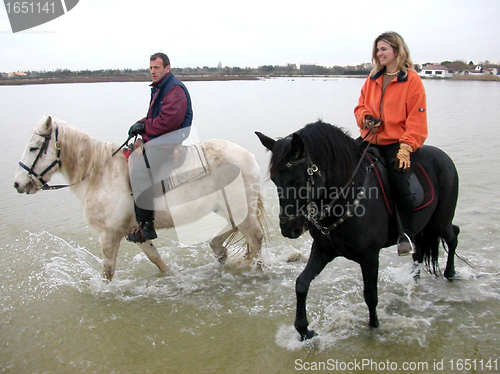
(370, 365)
(387, 366)
(333, 211)
(24, 15)
(327, 193)
(293, 201)
(200, 210)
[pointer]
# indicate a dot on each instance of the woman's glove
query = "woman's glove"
(371, 123)
(403, 156)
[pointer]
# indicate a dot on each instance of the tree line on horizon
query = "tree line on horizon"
(274, 70)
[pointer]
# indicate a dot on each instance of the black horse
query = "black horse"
(327, 184)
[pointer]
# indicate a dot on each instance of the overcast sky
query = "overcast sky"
(116, 34)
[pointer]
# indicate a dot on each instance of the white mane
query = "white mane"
(82, 157)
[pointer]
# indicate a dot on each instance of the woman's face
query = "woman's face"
(386, 55)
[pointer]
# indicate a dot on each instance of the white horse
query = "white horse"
(101, 181)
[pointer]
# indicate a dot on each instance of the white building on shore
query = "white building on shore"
(441, 71)
(435, 71)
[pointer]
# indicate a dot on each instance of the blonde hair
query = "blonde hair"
(396, 41)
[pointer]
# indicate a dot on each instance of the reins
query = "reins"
(123, 145)
(356, 169)
(316, 220)
(43, 150)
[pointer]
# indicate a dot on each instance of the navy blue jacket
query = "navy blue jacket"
(170, 81)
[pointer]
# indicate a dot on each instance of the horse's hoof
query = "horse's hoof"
(308, 335)
(416, 275)
(450, 276)
(107, 275)
(374, 324)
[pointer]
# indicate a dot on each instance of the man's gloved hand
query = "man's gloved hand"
(371, 123)
(136, 129)
(402, 161)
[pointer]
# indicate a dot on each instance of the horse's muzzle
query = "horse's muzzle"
(27, 188)
(293, 231)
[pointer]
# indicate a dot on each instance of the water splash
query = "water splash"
(409, 311)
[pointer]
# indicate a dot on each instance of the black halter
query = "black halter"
(35, 177)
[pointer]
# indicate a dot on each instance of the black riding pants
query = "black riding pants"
(151, 174)
(400, 186)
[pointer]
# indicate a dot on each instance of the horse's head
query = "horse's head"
(40, 158)
(297, 179)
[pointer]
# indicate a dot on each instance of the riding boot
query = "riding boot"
(144, 229)
(142, 232)
(406, 213)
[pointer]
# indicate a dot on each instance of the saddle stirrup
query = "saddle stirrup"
(412, 246)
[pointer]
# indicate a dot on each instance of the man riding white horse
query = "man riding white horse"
(167, 124)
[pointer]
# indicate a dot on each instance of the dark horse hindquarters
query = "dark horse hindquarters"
(444, 178)
(320, 158)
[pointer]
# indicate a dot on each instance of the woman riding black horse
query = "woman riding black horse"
(327, 185)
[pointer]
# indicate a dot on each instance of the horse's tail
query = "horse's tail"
(430, 251)
(429, 244)
(262, 217)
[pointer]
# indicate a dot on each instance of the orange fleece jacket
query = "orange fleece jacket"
(404, 111)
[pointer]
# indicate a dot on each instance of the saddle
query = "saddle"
(420, 183)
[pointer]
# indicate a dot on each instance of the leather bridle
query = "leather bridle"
(315, 215)
(37, 178)
(312, 171)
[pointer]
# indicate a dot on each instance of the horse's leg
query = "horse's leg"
(369, 268)
(150, 250)
(252, 231)
(110, 242)
(418, 256)
(316, 263)
(217, 243)
(451, 240)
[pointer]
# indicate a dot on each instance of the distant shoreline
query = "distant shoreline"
(20, 81)
(113, 79)
(475, 77)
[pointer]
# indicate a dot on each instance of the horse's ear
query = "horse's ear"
(45, 125)
(298, 147)
(266, 140)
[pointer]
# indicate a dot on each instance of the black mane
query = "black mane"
(329, 147)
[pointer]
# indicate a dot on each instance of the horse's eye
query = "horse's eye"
(33, 149)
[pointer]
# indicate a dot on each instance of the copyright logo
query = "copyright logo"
(25, 15)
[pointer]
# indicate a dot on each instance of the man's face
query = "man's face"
(157, 70)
